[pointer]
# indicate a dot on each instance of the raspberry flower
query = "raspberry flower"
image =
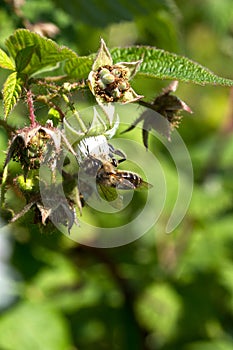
(110, 82)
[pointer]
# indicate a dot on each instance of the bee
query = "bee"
(108, 175)
(109, 179)
(99, 171)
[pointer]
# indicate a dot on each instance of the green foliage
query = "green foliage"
(33, 52)
(156, 64)
(23, 57)
(55, 336)
(11, 92)
(5, 61)
(162, 292)
(78, 67)
(165, 65)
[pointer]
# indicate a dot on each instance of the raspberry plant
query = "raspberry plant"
(42, 72)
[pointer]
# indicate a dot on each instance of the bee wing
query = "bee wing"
(125, 184)
(110, 194)
(144, 185)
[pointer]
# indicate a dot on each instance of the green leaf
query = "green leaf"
(23, 58)
(46, 52)
(11, 92)
(27, 322)
(79, 67)
(165, 65)
(5, 61)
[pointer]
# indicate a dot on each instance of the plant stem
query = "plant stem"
(32, 116)
(81, 124)
(75, 112)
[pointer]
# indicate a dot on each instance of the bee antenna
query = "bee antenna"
(121, 160)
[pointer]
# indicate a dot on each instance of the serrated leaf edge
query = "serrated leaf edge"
(10, 102)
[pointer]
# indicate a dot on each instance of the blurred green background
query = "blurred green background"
(161, 292)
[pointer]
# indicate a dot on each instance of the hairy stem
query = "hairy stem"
(32, 116)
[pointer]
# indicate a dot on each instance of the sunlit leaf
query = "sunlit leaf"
(156, 63)
(46, 52)
(78, 67)
(23, 58)
(165, 65)
(11, 92)
(5, 61)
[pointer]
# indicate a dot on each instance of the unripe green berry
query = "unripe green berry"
(108, 78)
(101, 84)
(116, 93)
(123, 86)
(116, 72)
(103, 72)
